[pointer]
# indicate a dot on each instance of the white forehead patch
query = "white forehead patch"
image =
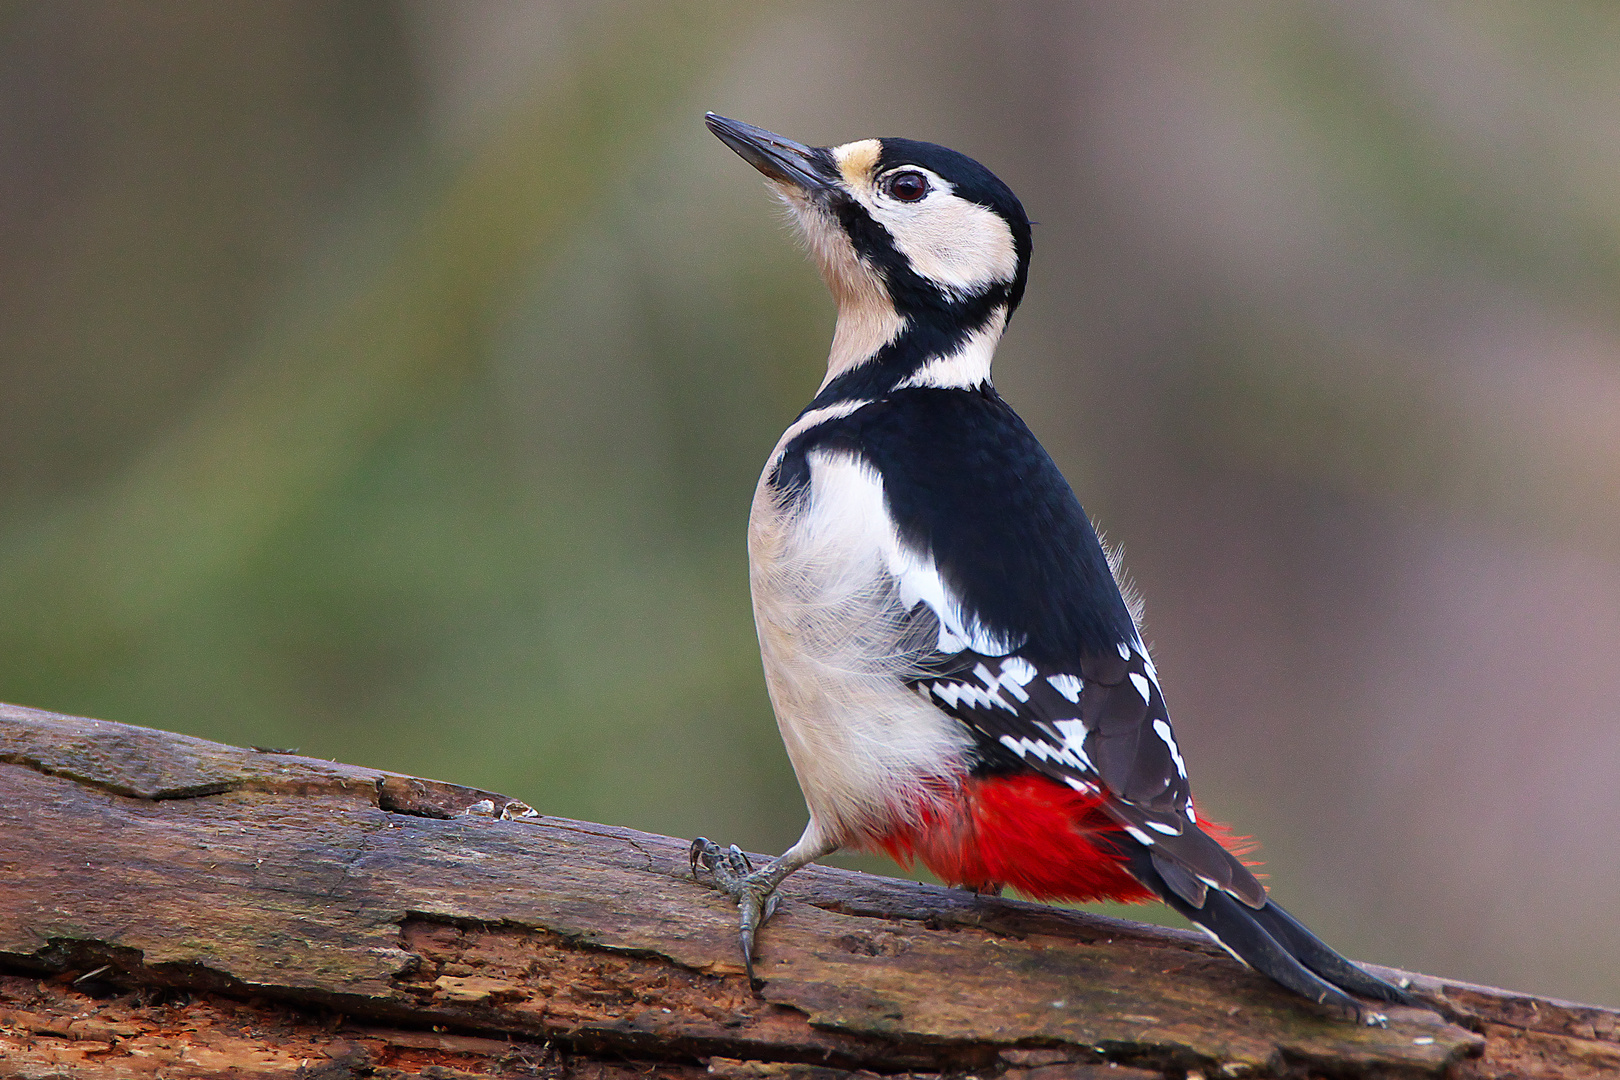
(858, 162)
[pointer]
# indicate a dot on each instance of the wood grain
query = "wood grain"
(171, 906)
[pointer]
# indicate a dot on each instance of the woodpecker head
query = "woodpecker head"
(924, 249)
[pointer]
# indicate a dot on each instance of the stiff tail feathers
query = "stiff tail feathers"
(1270, 941)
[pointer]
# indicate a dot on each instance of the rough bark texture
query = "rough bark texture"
(171, 907)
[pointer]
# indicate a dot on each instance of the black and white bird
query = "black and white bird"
(955, 671)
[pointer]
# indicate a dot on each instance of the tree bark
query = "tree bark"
(174, 907)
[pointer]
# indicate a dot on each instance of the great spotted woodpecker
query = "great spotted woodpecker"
(955, 671)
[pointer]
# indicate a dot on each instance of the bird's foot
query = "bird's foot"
(753, 890)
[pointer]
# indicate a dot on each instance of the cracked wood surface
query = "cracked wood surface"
(175, 907)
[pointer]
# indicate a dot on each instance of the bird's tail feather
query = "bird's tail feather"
(1311, 951)
(1272, 942)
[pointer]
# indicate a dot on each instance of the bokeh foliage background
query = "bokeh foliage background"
(390, 379)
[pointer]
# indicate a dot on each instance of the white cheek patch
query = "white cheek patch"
(958, 245)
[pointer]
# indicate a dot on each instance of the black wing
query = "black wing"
(1039, 656)
(1038, 651)
(1099, 724)
(1106, 729)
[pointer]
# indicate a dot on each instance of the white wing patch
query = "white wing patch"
(837, 647)
(1147, 659)
(1143, 687)
(920, 582)
(847, 491)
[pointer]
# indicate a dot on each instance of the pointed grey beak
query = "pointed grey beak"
(777, 157)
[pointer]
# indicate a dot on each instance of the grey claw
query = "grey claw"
(738, 861)
(752, 916)
(745, 938)
(700, 848)
(733, 873)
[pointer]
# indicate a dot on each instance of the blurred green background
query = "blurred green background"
(390, 380)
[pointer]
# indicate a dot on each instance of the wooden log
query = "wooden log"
(175, 907)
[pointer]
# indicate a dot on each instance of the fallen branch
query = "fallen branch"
(176, 907)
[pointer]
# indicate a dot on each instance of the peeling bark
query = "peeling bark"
(175, 907)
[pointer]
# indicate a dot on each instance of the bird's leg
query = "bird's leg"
(754, 890)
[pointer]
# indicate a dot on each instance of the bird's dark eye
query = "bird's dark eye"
(907, 186)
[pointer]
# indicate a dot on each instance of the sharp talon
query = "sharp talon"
(698, 849)
(745, 938)
(753, 890)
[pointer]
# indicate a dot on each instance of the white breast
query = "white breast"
(837, 639)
